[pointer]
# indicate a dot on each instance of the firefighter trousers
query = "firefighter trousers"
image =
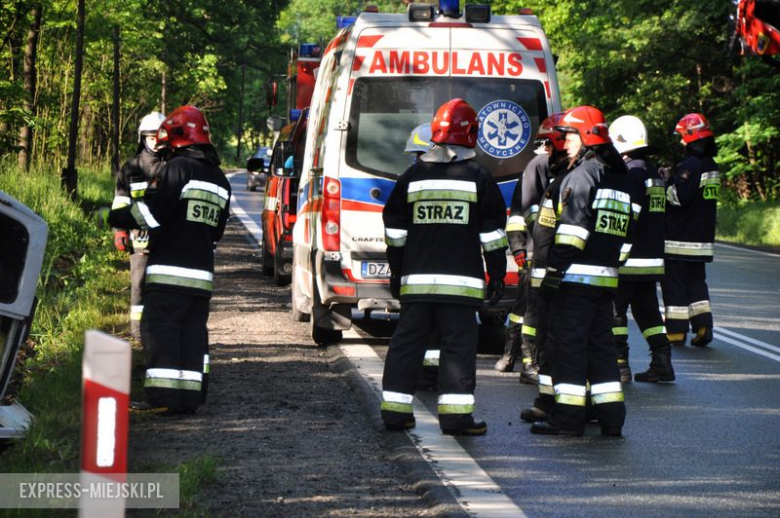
(641, 296)
(175, 336)
(546, 398)
(686, 297)
(457, 327)
(581, 348)
(137, 274)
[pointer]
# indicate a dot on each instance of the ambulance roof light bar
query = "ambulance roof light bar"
(309, 50)
(420, 12)
(526, 11)
(344, 21)
(449, 8)
(477, 13)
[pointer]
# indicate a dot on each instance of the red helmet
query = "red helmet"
(455, 123)
(185, 126)
(588, 122)
(758, 27)
(693, 127)
(547, 131)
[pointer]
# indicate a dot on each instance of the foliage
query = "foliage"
(750, 223)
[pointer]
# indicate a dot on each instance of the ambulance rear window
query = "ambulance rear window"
(14, 241)
(385, 110)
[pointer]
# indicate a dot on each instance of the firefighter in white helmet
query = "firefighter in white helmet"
(644, 266)
(132, 181)
(443, 212)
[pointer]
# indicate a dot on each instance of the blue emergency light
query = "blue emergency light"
(345, 21)
(309, 50)
(450, 8)
(295, 115)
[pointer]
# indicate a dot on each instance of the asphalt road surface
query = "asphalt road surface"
(707, 445)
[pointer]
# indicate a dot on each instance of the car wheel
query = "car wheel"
(281, 278)
(268, 261)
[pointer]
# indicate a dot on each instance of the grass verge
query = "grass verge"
(750, 223)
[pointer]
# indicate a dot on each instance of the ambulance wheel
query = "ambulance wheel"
(321, 336)
(280, 277)
(298, 315)
(268, 261)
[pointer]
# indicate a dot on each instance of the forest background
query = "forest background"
(658, 59)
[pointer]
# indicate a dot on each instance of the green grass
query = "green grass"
(750, 223)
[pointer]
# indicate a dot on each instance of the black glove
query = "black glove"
(495, 290)
(552, 281)
(395, 286)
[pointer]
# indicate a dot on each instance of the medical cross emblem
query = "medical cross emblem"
(504, 129)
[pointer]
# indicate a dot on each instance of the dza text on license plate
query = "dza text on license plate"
(372, 270)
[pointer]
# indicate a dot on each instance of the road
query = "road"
(708, 445)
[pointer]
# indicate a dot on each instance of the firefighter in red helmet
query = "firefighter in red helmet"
(523, 213)
(582, 276)
(185, 219)
(444, 211)
(758, 29)
(692, 204)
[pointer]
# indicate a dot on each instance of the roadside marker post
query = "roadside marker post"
(105, 400)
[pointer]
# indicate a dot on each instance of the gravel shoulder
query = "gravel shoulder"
(288, 423)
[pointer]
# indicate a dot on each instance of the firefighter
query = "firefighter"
(185, 218)
(521, 334)
(443, 212)
(582, 275)
(644, 266)
(692, 203)
(543, 233)
(132, 181)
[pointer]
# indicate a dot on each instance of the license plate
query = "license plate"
(374, 270)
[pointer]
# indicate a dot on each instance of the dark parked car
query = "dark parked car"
(257, 168)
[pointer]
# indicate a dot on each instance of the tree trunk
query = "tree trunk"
(69, 173)
(115, 108)
(240, 115)
(30, 73)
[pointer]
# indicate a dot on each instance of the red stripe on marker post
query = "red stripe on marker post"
(105, 400)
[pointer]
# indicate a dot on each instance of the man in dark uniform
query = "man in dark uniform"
(582, 272)
(132, 181)
(443, 212)
(185, 218)
(692, 196)
(645, 264)
(521, 334)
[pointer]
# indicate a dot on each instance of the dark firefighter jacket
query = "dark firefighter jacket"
(646, 260)
(525, 204)
(596, 218)
(185, 218)
(132, 181)
(692, 203)
(438, 220)
(546, 224)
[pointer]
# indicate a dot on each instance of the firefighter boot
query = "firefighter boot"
(703, 337)
(661, 369)
(464, 424)
(530, 371)
(511, 348)
(625, 370)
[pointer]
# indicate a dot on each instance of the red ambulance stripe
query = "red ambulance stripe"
(531, 43)
(368, 41)
(335, 42)
(358, 63)
(547, 87)
(350, 277)
(351, 84)
(541, 64)
(360, 206)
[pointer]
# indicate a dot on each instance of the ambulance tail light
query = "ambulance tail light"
(420, 12)
(526, 11)
(449, 8)
(331, 215)
(478, 13)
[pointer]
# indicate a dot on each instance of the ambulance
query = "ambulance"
(380, 77)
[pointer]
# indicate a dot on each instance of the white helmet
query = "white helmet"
(628, 133)
(150, 124)
(419, 139)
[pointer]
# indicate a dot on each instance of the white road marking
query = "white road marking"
(245, 219)
(739, 248)
(747, 347)
(747, 339)
(475, 491)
